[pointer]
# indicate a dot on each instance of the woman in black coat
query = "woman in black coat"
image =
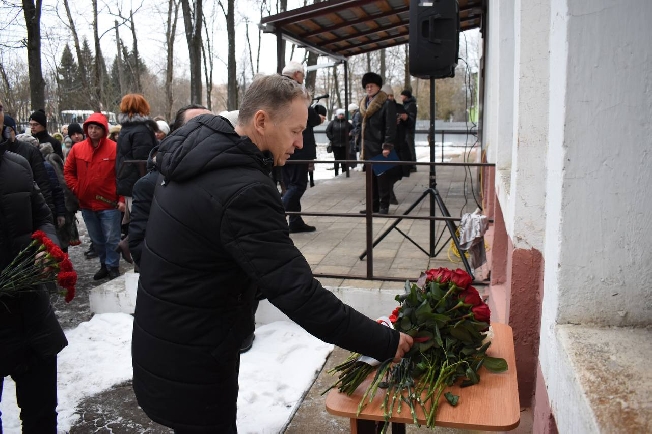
(378, 135)
(338, 134)
(30, 335)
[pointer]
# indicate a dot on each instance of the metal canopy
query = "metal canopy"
(344, 28)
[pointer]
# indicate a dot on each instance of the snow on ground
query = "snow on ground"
(274, 374)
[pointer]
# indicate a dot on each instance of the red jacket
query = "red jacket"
(90, 172)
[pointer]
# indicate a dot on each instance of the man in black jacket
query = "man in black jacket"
(295, 176)
(38, 124)
(216, 234)
(30, 335)
(34, 158)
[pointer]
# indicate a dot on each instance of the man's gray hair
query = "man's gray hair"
(272, 93)
(291, 68)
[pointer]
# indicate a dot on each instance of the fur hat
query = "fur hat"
(321, 110)
(75, 128)
(372, 77)
(113, 129)
(163, 127)
(39, 116)
(407, 93)
(27, 138)
(10, 122)
(388, 89)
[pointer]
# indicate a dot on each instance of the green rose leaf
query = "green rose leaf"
(472, 376)
(495, 364)
(462, 334)
(452, 399)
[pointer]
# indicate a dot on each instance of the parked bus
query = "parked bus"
(79, 116)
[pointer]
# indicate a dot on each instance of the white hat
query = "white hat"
(340, 112)
(387, 89)
(163, 127)
(353, 107)
(231, 116)
(291, 68)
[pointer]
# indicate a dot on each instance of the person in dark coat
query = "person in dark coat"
(38, 124)
(410, 119)
(295, 176)
(354, 135)
(216, 234)
(34, 158)
(337, 132)
(378, 135)
(30, 335)
(135, 142)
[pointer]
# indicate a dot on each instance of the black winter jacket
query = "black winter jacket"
(135, 142)
(27, 322)
(35, 160)
(309, 150)
(410, 106)
(379, 131)
(143, 193)
(338, 132)
(44, 137)
(216, 232)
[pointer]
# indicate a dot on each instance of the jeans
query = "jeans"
(104, 230)
(36, 394)
(295, 177)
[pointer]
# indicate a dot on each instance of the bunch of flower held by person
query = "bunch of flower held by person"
(448, 321)
(40, 262)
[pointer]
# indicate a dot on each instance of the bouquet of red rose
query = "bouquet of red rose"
(40, 262)
(449, 322)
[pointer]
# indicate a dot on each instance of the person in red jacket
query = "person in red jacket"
(90, 175)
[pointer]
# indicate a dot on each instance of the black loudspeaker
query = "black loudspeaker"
(434, 38)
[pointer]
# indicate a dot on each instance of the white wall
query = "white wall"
(597, 253)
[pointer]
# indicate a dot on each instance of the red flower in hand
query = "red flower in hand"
(39, 236)
(461, 278)
(393, 318)
(481, 313)
(470, 296)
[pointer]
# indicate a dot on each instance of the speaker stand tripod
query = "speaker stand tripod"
(436, 200)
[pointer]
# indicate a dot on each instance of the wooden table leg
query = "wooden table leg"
(360, 426)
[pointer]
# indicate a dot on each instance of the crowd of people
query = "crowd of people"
(195, 206)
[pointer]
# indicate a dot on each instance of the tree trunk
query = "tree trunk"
(407, 81)
(80, 59)
(232, 88)
(118, 58)
(192, 22)
(99, 80)
(383, 65)
(207, 54)
(173, 14)
(368, 55)
(135, 54)
(32, 12)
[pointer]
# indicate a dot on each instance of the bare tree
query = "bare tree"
(118, 59)
(80, 59)
(32, 12)
(232, 81)
(207, 54)
(135, 53)
(99, 66)
(192, 19)
(170, 32)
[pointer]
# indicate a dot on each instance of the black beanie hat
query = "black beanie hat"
(75, 128)
(407, 93)
(39, 116)
(372, 77)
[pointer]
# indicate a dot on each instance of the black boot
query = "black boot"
(102, 273)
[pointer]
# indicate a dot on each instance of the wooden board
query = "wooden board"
(491, 405)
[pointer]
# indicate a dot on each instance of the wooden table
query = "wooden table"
(491, 405)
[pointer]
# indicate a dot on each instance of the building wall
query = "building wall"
(572, 193)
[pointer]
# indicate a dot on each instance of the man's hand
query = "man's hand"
(121, 206)
(403, 116)
(38, 260)
(404, 344)
(61, 221)
(385, 152)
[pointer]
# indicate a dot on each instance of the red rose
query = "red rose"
(481, 313)
(441, 275)
(461, 278)
(470, 296)
(395, 311)
(393, 318)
